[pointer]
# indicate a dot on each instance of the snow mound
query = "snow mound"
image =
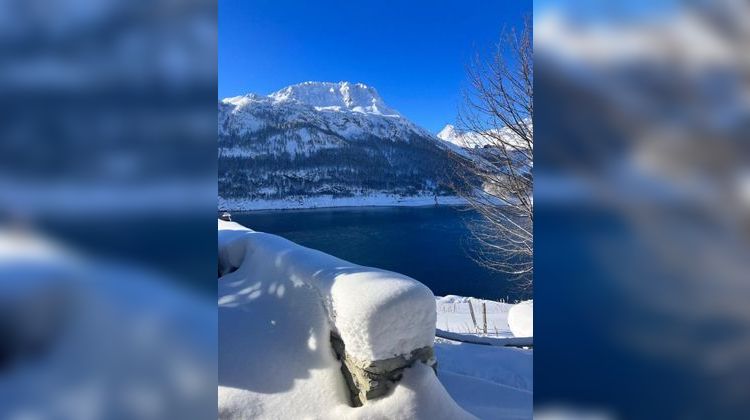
(378, 314)
(451, 299)
(419, 396)
(521, 319)
(279, 303)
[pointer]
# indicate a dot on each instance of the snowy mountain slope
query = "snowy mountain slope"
(452, 135)
(324, 139)
(471, 140)
(336, 96)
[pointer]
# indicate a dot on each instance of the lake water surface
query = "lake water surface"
(430, 244)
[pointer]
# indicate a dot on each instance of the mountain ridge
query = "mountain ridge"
(321, 138)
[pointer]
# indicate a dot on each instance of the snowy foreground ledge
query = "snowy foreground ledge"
(281, 304)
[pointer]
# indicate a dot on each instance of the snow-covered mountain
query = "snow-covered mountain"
(343, 96)
(449, 134)
(452, 135)
(470, 140)
(324, 139)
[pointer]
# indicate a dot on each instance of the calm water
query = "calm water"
(430, 244)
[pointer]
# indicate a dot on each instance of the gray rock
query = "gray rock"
(370, 379)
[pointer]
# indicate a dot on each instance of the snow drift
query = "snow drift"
(279, 304)
(379, 314)
(521, 319)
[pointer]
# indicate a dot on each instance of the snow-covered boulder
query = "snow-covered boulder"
(283, 309)
(378, 314)
(521, 319)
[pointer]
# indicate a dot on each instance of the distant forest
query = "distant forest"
(407, 167)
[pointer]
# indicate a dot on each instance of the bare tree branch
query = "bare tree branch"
(495, 169)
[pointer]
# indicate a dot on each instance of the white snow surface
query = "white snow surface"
(275, 359)
(470, 140)
(276, 312)
(345, 110)
(503, 319)
(342, 96)
(521, 319)
(450, 134)
(454, 315)
(378, 314)
(489, 382)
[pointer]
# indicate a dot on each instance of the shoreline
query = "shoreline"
(328, 202)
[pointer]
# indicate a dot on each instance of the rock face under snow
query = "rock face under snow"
(354, 97)
(279, 306)
(371, 379)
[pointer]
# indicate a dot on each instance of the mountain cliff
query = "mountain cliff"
(318, 139)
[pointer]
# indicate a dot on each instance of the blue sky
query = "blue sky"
(413, 52)
(608, 11)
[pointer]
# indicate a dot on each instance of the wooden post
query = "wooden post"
(484, 315)
(473, 318)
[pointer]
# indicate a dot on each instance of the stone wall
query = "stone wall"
(370, 379)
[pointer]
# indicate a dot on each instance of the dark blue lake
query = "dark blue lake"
(430, 244)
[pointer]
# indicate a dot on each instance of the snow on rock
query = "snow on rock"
(379, 314)
(273, 336)
(420, 395)
(278, 305)
(521, 319)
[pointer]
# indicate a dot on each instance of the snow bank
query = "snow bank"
(378, 314)
(419, 396)
(488, 400)
(454, 315)
(279, 303)
(503, 319)
(508, 366)
(521, 319)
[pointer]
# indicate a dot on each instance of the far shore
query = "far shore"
(323, 202)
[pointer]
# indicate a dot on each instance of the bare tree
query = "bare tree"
(494, 166)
